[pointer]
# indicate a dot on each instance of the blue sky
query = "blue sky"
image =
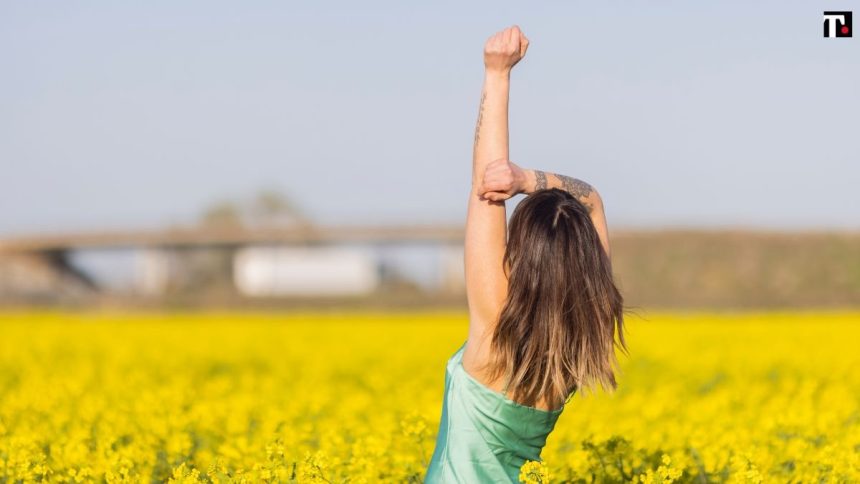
(139, 114)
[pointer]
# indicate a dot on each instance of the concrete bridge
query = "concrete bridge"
(688, 268)
(39, 265)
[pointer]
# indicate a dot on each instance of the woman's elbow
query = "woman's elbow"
(594, 202)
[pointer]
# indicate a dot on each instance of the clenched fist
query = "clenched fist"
(502, 180)
(504, 49)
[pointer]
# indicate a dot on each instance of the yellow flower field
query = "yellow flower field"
(357, 398)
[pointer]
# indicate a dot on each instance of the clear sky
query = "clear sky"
(139, 114)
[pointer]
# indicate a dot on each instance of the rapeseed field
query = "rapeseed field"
(356, 398)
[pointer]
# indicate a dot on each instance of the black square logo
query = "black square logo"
(837, 24)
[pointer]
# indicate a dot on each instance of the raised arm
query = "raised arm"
(486, 280)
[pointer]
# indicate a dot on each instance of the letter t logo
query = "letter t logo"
(837, 24)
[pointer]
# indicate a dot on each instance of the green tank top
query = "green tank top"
(483, 435)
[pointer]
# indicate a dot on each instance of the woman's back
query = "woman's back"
(484, 436)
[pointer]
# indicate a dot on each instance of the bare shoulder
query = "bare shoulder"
(475, 352)
(476, 356)
(475, 360)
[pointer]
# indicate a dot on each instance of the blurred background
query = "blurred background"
(294, 155)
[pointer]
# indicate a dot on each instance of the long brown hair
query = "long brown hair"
(556, 331)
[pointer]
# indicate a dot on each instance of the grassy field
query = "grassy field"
(737, 268)
(357, 398)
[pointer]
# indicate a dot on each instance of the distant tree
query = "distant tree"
(273, 207)
(269, 207)
(222, 214)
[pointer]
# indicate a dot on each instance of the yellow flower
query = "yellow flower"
(534, 472)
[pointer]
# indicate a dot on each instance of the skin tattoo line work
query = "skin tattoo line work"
(480, 118)
(576, 187)
(540, 180)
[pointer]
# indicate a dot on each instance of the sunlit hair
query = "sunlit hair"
(556, 331)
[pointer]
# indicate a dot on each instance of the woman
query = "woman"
(543, 307)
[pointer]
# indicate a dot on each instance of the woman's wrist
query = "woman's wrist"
(492, 74)
(530, 180)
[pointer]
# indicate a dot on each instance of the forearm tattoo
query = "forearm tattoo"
(480, 117)
(540, 180)
(577, 188)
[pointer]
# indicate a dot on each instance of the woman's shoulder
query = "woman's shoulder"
(475, 381)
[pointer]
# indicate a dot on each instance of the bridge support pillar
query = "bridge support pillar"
(42, 277)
